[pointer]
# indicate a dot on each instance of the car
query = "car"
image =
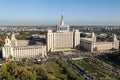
(0, 64)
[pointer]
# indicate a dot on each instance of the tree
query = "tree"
(11, 56)
(4, 59)
(12, 71)
(4, 73)
(11, 66)
(23, 62)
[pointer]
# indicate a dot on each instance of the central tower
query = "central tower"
(62, 27)
(62, 20)
(62, 39)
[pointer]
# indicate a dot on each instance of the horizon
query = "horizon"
(45, 13)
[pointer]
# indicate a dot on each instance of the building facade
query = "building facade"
(63, 39)
(17, 49)
(90, 44)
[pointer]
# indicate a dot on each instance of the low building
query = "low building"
(90, 44)
(17, 49)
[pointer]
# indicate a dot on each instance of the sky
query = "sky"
(48, 12)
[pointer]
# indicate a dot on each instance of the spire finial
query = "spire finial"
(13, 36)
(6, 37)
(93, 34)
(115, 37)
(62, 12)
(62, 18)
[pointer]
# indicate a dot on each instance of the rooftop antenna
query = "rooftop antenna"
(62, 11)
(62, 18)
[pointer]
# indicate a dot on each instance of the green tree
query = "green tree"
(23, 62)
(11, 66)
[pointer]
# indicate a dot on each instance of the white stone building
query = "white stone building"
(90, 44)
(62, 39)
(17, 49)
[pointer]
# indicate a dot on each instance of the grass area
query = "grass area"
(113, 59)
(59, 70)
(95, 70)
(53, 69)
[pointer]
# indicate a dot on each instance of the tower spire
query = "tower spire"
(13, 36)
(114, 37)
(62, 18)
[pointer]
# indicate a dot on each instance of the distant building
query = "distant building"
(42, 36)
(17, 49)
(62, 39)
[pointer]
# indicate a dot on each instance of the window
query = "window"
(63, 28)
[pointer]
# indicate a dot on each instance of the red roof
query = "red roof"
(2, 41)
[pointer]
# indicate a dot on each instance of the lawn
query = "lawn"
(59, 70)
(95, 70)
(113, 59)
